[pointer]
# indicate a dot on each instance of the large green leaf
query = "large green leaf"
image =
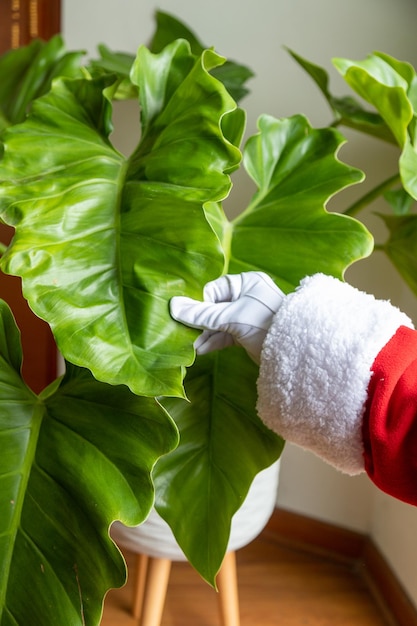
(102, 241)
(73, 459)
(286, 230)
(223, 446)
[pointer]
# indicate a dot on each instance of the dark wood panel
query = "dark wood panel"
(24, 20)
(20, 22)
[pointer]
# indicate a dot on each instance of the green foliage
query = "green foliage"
(390, 87)
(224, 444)
(103, 241)
(401, 246)
(74, 459)
(99, 259)
(233, 75)
(27, 73)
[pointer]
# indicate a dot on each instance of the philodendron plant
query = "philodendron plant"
(102, 242)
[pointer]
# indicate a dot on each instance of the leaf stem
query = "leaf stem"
(374, 193)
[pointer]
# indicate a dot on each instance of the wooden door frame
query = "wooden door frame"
(20, 22)
(24, 20)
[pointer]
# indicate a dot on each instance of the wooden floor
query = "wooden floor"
(279, 585)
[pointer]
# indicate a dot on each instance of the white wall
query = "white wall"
(255, 33)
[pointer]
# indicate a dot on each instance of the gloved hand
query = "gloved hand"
(237, 308)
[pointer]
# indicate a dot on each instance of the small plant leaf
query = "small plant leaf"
(317, 73)
(118, 64)
(347, 110)
(399, 200)
(401, 247)
(27, 73)
(408, 167)
(384, 82)
(233, 75)
(353, 115)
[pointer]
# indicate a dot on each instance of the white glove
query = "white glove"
(237, 309)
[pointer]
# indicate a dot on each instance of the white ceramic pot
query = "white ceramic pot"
(155, 538)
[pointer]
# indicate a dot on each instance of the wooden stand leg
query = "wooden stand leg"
(156, 588)
(140, 584)
(228, 591)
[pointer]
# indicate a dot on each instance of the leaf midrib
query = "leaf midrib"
(36, 423)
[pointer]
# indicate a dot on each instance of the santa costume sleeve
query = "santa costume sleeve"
(338, 376)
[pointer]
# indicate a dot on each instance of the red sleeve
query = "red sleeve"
(390, 419)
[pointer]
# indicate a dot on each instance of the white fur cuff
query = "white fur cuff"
(315, 367)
